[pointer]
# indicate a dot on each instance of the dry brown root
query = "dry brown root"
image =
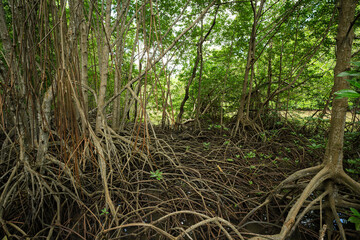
(207, 220)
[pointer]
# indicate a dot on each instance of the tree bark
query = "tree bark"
(198, 58)
(250, 61)
(334, 149)
(104, 67)
(122, 10)
(84, 26)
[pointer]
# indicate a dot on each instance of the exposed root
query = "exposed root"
(210, 189)
(293, 219)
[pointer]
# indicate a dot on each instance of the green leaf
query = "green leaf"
(352, 73)
(230, 159)
(354, 219)
(354, 82)
(104, 211)
(356, 64)
(347, 93)
(355, 212)
(357, 226)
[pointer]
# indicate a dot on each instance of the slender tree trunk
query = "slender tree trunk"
(198, 57)
(128, 101)
(198, 103)
(122, 10)
(104, 67)
(186, 97)
(269, 75)
(84, 26)
(250, 61)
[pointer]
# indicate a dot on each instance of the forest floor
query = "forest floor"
(205, 174)
(195, 184)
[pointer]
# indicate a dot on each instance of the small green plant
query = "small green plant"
(252, 167)
(214, 126)
(226, 142)
(251, 182)
(187, 148)
(206, 145)
(267, 156)
(275, 162)
(250, 155)
(355, 218)
(315, 146)
(104, 211)
(263, 136)
(230, 160)
(157, 174)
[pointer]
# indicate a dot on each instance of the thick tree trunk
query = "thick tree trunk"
(333, 158)
(331, 171)
(334, 149)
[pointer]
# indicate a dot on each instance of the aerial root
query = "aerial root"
(293, 177)
(216, 189)
(299, 174)
(330, 186)
(217, 220)
(349, 182)
(308, 208)
(322, 176)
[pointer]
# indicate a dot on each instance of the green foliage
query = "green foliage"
(157, 174)
(347, 93)
(354, 164)
(250, 154)
(354, 82)
(216, 126)
(355, 218)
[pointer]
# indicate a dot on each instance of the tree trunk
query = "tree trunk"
(250, 61)
(334, 149)
(198, 57)
(122, 10)
(84, 26)
(333, 158)
(104, 67)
